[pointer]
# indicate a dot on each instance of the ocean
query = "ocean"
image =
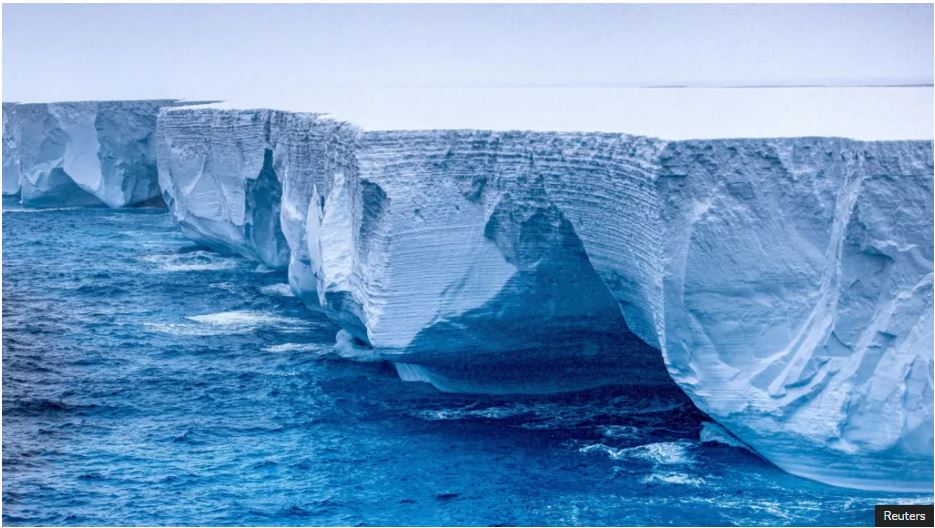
(148, 381)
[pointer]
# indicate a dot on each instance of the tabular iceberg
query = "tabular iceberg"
(784, 284)
(81, 153)
(787, 283)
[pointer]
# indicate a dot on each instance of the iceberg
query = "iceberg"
(10, 167)
(81, 153)
(784, 284)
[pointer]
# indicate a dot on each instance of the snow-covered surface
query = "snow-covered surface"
(81, 153)
(866, 113)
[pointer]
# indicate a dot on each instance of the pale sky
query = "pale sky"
(554, 66)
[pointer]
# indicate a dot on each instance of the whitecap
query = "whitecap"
(619, 431)
(672, 478)
(347, 347)
(297, 347)
(277, 290)
(193, 261)
(438, 415)
(228, 323)
(532, 416)
(187, 330)
(612, 452)
(245, 318)
(136, 234)
(226, 286)
(205, 266)
(470, 411)
(664, 453)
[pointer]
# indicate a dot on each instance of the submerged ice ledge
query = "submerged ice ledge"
(784, 284)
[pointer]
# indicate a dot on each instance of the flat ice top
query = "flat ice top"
(867, 113)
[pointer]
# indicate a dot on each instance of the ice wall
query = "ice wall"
(10, 167)
(467, 262)
(81, 153)
(797, 300)
(787, 283)
(243, 180)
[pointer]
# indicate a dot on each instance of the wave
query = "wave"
(199, 260)
(229, 323)
(48, 406)
(549, 415)
(229, 287)
(215, 266)
(277, 290)
(298, 347)
(245, 318)
(714, 433)
(187, 330)
(619, 431)
(347, 347)
(647, 404)
(565, 414)
(135, 235)
(489, 413)
(660, 453)
(672, 478)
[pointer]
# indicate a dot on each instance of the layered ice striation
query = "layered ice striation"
(408, 253)
(786, 282)
(796, 303)
(10, 166)
(81, 153)
(242, 181)
(467, 268)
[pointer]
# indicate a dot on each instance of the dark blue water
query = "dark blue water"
(147, 381)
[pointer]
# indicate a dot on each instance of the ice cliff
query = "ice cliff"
(797, 300)
(81, 153)
(10, 172)
(786, 282)
(243, 181)
(503, 281)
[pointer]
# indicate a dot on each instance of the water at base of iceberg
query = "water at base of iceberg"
(149, 382)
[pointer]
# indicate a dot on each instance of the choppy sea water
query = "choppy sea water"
(147, 381)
